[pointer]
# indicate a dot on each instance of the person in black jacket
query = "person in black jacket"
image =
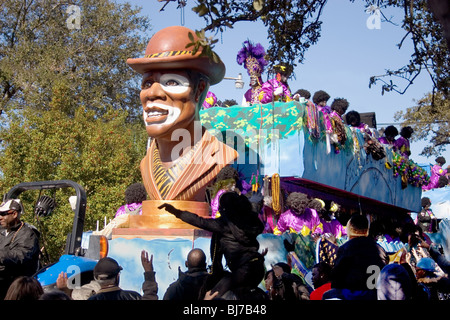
(19, 245)
(425, 218)
(107, 274)
(234, 237)
(189, 283)
(358, 262)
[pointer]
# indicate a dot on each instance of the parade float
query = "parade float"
(277, 141)
(286, 145)
(277, 148)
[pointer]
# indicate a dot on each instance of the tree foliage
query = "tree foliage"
(292, 26)
(429, 118)
(40, 55)
(70, 106)
(101, 154)
(430, 50)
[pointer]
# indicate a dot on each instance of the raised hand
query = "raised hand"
(147, 263)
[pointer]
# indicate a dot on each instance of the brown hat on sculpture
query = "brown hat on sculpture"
(167, 50)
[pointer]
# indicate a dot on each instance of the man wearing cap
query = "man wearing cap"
(19, 245)
(107, 274)
(182, 157)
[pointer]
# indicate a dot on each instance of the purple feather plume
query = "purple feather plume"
(250, 49)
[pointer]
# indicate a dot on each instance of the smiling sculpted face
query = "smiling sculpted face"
(169, 101)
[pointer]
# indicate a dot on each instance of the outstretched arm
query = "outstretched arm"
(212, 225)
(171, 209)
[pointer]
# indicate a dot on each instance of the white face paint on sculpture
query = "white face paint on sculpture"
(157, 110)
(168, 101)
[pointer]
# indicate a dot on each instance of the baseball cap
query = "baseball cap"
(11, 204)
(426, 264)
(106, 268)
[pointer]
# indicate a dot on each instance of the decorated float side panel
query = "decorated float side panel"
(268, 137)
(169, 255)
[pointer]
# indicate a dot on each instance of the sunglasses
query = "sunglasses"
(5, 213)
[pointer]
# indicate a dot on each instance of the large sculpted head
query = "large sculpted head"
(174, 81)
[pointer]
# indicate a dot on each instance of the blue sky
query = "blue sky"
(347, 54)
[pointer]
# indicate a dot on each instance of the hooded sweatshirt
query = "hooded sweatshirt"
(394, 283)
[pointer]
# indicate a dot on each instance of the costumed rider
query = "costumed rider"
(425, 218)
(299, 218)
(371, 144)
(389, 137)
(251, 56)
(19, 245)
(320, 99)
(402, 144)
(338, 108)
(301, 93)
(226, 180)
(277, 89)
(210, 100)
(436, 172)
(326, 210)
(353, 119)
(135, 194)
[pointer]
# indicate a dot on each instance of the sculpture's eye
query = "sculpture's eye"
(147, 84)
(174, 83)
